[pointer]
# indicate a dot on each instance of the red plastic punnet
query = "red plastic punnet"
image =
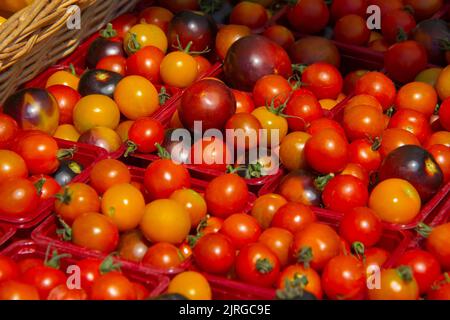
(394, 241)
(85, 155)
(7, 231)
(45, 234)
(155, 283)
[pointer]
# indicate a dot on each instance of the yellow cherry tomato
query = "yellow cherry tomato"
(165, 220)
(145, 35)
(191, 285)
(429, 76)
(193, 202)
(123, 128)
(136, 97)
(65, 78)
(292, 147)
(273, 123)
(95, 111)
(443, 83)
(67, 132)
(395, 201)
(178, 69)
(124, 204)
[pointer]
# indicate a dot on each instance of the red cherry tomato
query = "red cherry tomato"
(157, 16)
(113, 286)
(363, 121)
(124, 23)
(308, 16)
(293, 217)
(340, 8)
(46, 186)
(145, 134)
(412, 121)
(345, 192)
(271, 90)
(397, 23)
(352, 29)
(244, 101)
(66, 98)
(361, 224)
(241, 229)
(444, 114)
(146, 63)
(44, 278)
(117, 64)
(324, 123)
(18, 196)
(441, 154)
(302, 108)
(214, 253)
(9, 270)
(364, 153)
(378, 85)
(323, 79)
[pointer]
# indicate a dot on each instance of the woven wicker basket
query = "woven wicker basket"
(37, 36)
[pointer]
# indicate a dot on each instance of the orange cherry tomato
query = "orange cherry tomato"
(278, 241)
(179, 69)
(95, 111)
(417, 96)
(193, 202)
(396, 284)
(191, 285)
(64, 78)
(265, 207)
(12, 165)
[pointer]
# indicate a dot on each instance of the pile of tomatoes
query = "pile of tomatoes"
(359, 154)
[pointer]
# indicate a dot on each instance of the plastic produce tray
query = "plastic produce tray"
(7, 231)
(156, 284)
(45, 234)
(85, 155)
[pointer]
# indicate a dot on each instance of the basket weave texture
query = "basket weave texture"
(37, 36)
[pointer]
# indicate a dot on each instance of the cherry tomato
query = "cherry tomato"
(44, 278)
(313, 49)
(437, 245)
(363, 121)
(417, 96)
(250, 14)
(29, 263)
(299, 186)
(214, 253)
(292, 148)
(352, 29)
(361, 151)
(212, 225)
(396, 284)
(241, 229)
(412, 121)
(293, 217)
(276, 125)
(194, 204)
(404, 60)
(67, 132)
(192, 285)
(361, 224)
(401, 201)
(228, 35)
(444, 114)
(132, 246)
(330, 145)
(46, 186)
(324, 123)
(302, 108)
(391, 139)
(310, 16)
(442, 84)
(158, 16)
(143, 35)
(378, 85)
(89, 272)
(123, 24)
(15, 290)
(440, 290)
(163, 177)
(281, 35)
(256, 264)
(165, 220)
(117, 64)
(123, 128)
(107, 173)
(265, 207)
(65, 78)
(441, 155)
(12, 165)
(345, 192)
(357, 171)
(210, 154)
(386, 6)
(96, 232)
(18, 196)
(440, 137)
(293, 272)
(250, 126)
(278, 241)
(340, 8)
(225, 195)
(95, 111)
(112, 286)
(74, 200)
(146, 63)
(203, 66)
(66, 98)
(9, 269)
(178, 69)
(344, 278)
(163, 256)
(62, 292)
(8, 130)
(424, 265)
(323, 79)
(145, 133)
(397, 23)
(271, 90)
(424, 9)
(102, 137)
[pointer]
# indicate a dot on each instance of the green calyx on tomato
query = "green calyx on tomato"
(39, 184)
(251, 171)
(163, 96)
(65, 233)
(305, 256)
(133, 44)
(193, 239)
(108, 32)
(405, 273)
(187, 49)
(108, 264)
(162, 152)
(55, 260)
(321, 181)
(359, 249)
(211, 6)
(264, 266)
(64, 154)
(423, 229)
(295, 289)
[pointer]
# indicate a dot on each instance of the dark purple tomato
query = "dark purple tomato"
(299, 186)
(209, 101)
(314, 49)
(101, 48)
(192, 26)
(67, 171)
(33, 108)
(99, 82)
(430, 33)
(416, 165)
(252, 57)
